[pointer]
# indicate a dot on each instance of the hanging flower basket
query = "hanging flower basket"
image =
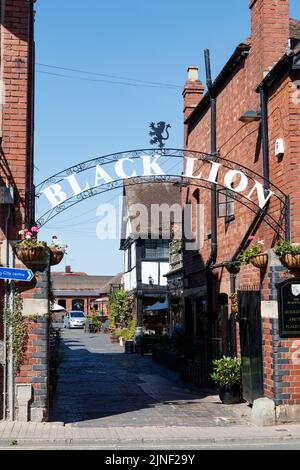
(57, 251)
(29, 250)
(291, 261)
(30, 254)
(56, 256)
(288, 253)
(260, 261)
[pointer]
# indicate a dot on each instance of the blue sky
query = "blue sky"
(78, 119)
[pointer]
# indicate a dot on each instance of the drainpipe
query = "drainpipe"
(211, 282)
(232, 318)
(265, 137)
(4, 319)
(213, 209)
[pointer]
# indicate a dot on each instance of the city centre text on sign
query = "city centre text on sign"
(13, 274)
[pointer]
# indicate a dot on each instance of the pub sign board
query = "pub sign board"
(289, 308)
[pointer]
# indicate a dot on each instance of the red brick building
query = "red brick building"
(81, 291)
(260, 76)
(29, 384)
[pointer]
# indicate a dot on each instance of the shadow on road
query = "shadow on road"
(101, 385)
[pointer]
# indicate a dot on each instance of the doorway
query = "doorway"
(251, 344)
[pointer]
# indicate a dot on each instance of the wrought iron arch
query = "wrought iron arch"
(277, 224)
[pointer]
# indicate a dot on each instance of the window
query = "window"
(156, 249)
(78, 304)
(226, 204)
(77, 315)
(62, 303)
(129, 259)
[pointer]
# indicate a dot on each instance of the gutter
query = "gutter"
(276, 73)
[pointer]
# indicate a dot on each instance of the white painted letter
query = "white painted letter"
(101, 174)
(189, 168)
(119, 168)
(75, 186)
(229, 180)
(55, 195)
(262, 198)
(213, 175)
(152, 165)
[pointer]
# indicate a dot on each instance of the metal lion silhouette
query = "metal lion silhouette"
(157, 133)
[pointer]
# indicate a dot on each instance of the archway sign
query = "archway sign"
(96, 176)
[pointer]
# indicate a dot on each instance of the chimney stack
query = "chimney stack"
(68, 269)
(270, 32)
(193, 91)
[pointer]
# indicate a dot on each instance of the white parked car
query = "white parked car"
(74, 319)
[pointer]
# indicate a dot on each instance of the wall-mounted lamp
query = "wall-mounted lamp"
(251, 116)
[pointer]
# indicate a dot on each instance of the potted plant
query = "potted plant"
(289, 254)
(128, 336)
(114, 337)
(254, 254)
(227, 374)
(29, 250)
(57, 251)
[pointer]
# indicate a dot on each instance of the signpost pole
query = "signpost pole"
(11, 392)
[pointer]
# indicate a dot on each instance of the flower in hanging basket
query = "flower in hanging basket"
(57, 251)
(254, 254)
(289, 254)
(29, 250)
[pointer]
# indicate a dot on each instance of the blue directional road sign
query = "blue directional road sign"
(12, 274)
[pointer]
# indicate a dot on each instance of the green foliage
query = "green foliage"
(96, 321)
(283, 247)
(20, 330)
(245, 256)
(227, 371)
(120, 306)
(129, 332)
(118, 332)
(30, 243)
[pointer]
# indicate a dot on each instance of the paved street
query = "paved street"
(101, 386)
(108, 400)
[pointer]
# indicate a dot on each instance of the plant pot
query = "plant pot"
(56, 256)
(260, 261)
(129, 346)
(30, 254)
(230, 394)
(291, 261)
(114, 339)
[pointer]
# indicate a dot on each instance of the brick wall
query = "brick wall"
(241, 143)
(16, 116)
(16, 170)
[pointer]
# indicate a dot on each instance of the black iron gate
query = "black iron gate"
(251, 344)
